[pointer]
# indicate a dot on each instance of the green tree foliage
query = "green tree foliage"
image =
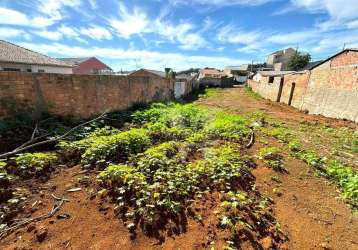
(298, 61)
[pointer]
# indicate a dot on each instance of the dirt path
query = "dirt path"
(307, 207)
(237, 100)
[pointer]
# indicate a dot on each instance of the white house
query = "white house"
(17, 58)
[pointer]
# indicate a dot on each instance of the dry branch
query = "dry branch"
(32, 142)
(21, 223)
(252, 139)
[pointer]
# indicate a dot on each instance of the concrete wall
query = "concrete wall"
(77, 95)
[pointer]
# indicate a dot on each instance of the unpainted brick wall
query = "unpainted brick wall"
(265, 89)
(330, 89)
(297, 83)
(333, 92)
(78, 95)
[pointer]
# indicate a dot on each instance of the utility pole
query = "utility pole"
(344, 46)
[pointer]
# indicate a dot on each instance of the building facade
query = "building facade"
(279, 59)
(16, 58)
(88, 66)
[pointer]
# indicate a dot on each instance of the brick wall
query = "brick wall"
(78, 95)
(330, 89)
(333, 92)
(294, 89)
(265, 89)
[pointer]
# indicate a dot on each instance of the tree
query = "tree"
(298, 61)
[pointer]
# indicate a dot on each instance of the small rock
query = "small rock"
(63, 216)
(267, 243)
(31, 227)
(41, 234)
(325, 246)
(104, 207)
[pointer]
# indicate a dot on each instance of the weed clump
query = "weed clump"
(228, 127)
(272, 158)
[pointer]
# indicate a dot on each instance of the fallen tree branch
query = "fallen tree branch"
(252, 139)
(32, 143)
(21, 223)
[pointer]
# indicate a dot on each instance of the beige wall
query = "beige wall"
(36, 68)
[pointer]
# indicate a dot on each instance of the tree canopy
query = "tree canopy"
(299, 61)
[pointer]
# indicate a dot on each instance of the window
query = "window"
(10, 69)
(271, 79)
(29, 70)
(41, 71)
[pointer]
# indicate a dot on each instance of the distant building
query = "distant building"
(214, 77)
(16, 58)
(145, 72)
(211, 73)
(88, 66)
(239, 73)
(185, 83)
(278, 60)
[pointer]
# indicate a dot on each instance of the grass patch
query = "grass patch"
(253, 94)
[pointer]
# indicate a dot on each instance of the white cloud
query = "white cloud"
(129, 58)
(335, 8)
(14, 17)
(50, 35)
(54, 8)
(221, 3)
(231, 34)
(93, 4)
(137, 22)
(6, 33)
(182, 33)
(96, 33)
(293, 37)
(129, 23)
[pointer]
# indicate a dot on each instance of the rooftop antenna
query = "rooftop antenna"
(136, 63)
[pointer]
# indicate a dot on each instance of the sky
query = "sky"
(179, 34)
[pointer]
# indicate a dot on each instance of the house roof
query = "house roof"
(274, 73)
(74, 61)
(212, 71)
(12, 53)
(337, 54)
(243, 67)
(155, 72)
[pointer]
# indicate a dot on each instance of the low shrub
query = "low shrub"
(158, 184)
(272, 157)
(228, 127)
(28, 165)
(115, 147)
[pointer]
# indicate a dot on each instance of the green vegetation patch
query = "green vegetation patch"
(272, 157)
(228, 127)
(253, 94)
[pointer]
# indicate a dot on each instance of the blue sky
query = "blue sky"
(178, 33)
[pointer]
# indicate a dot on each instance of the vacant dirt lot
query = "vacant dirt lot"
(308, 206)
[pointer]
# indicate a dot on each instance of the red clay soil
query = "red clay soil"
(307, 207)
(92, 223)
